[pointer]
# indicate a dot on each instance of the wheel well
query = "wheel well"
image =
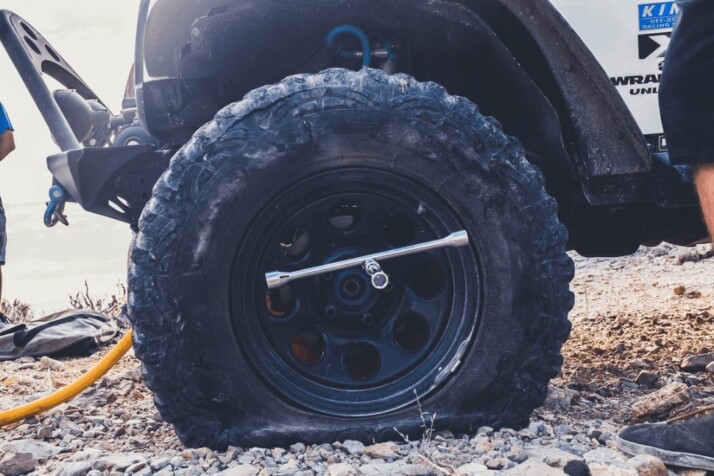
(484, 50)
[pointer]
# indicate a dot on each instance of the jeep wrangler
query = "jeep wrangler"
(348, 212)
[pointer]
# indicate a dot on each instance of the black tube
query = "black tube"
(17, 51)
(139, 59)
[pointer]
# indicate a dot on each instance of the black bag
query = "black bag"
(64, 334)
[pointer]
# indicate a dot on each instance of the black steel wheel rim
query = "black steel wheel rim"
(333, 343)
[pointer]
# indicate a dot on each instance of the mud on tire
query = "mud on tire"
(218, 371)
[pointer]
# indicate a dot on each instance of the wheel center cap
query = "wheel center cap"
(352, 287)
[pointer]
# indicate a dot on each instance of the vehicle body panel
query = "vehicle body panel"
(629, 38)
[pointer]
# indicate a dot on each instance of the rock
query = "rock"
(697, 363)
(352, 447)
(444, 434)
(297, 448)
(230, 454)
(606, 462)
(540, 428)
(496, 463)
(383, 450)
(77, 468)
(679, 290)
(559, 398)
(662, 402)
(693, 256)
(341, 469)
(39, 450)
(399, 468)
(517, 455)
(710, 368)
(87, 454)
(482, 444)
(98, 398)
(136, 467)
(52, 364)
(246, 459)
(158, 463)
(647, 465)
(472, 469)
(134, 375)
(117, 461)
(532, 468)
(241, 470)
(44, 432)
(562, 430)
(288, 469)
(14, 464)
(646, 378)
(603, 455)
(568, 463)
(604, 469)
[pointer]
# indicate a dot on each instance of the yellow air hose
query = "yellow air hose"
(70, 391)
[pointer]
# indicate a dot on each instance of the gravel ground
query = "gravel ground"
(636, 321)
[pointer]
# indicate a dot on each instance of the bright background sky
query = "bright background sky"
(46, 265)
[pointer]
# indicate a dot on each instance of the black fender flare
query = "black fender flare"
(610, 145)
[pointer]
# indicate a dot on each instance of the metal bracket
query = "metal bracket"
(55, 207)
(276, 279)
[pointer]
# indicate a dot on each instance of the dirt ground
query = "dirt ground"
(636, 318)
(641, 313)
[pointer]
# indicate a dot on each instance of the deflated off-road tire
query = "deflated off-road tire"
(329, 166)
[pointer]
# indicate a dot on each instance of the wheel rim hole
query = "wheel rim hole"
(345, 217)
(426, 278)
(362, 361)
(295, 244)
(352, 288)
(28, 30)
(411, 332)
(280, 302)
(308, 347)
(399, 231)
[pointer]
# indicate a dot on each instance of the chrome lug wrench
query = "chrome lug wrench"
(370, 263)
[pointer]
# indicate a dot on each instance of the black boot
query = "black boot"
(687, 444)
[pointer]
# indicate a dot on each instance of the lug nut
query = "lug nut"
(330, 312)
(367, 319)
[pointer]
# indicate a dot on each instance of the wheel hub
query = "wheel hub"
(333, 335)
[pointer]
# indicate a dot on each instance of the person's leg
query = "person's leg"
(687, 108)
(704, 179)
(689, 443)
